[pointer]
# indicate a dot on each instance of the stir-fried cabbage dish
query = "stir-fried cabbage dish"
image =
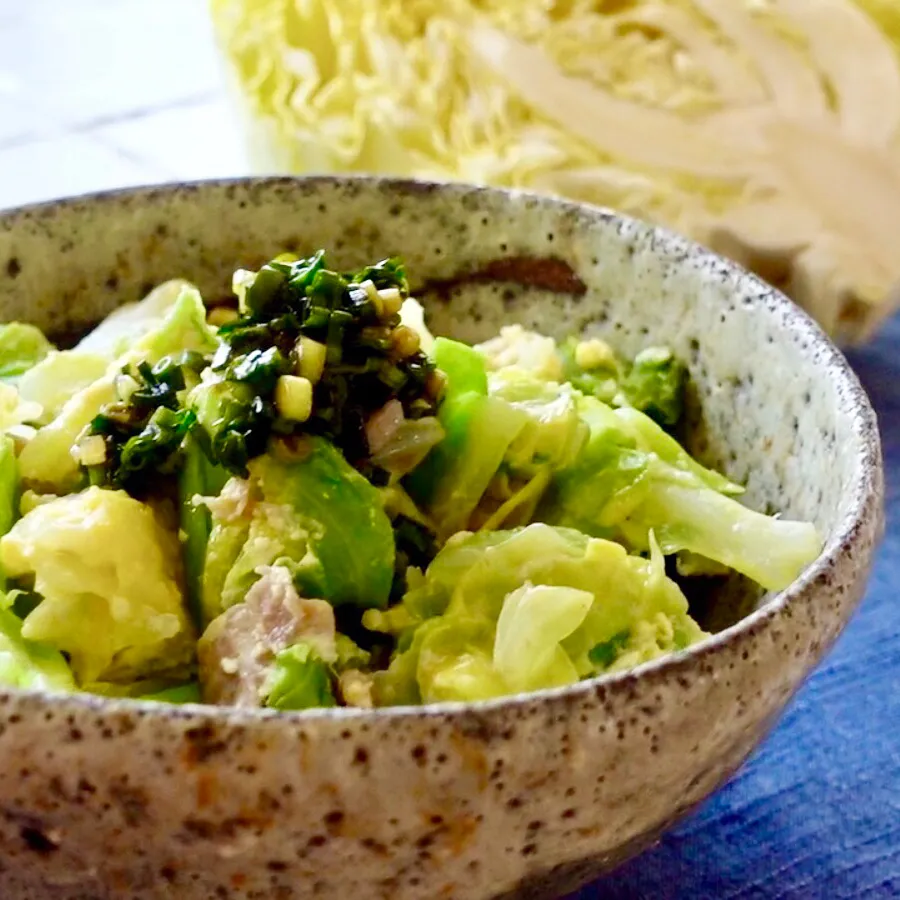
(299, 497)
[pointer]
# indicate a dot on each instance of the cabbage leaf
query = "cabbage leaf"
(509, 611)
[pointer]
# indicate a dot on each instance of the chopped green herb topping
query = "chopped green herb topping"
(298, 320)
(142, 432)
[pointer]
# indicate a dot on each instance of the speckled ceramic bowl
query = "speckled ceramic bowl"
(523, 797)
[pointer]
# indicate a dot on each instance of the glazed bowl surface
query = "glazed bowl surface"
(526, 796)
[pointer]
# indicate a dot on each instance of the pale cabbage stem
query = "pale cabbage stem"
(763, 235)
(531, 491)
(855, 191)
(734, 83)
(861, 66)
(796, 89)
(646, 135)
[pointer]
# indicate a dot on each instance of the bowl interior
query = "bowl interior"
(772, 403)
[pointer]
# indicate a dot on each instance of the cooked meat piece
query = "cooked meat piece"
(235, 501)
(238, 648)
(382, 425)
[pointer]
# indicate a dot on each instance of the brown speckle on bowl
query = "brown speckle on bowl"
(548, 274)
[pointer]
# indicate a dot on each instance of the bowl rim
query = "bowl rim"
(866, 488)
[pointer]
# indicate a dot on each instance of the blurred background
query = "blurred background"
(98, 94)
(746, 124)
(100, 111)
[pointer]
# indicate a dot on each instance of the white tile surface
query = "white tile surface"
(19, 123)
(98, 94)
(67, 165)
(196, 141)
(85, 61)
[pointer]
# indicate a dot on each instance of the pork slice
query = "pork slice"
(235, 502)
(238, 648)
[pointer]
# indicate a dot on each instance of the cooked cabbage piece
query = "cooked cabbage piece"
(58, 377)
(299, 679)
(109, 579)
(46, 462)
(22, 347)
(633, 480)
(508, 611)
(177, 326)
(124, 326)
(30, 664)
(306, 509)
